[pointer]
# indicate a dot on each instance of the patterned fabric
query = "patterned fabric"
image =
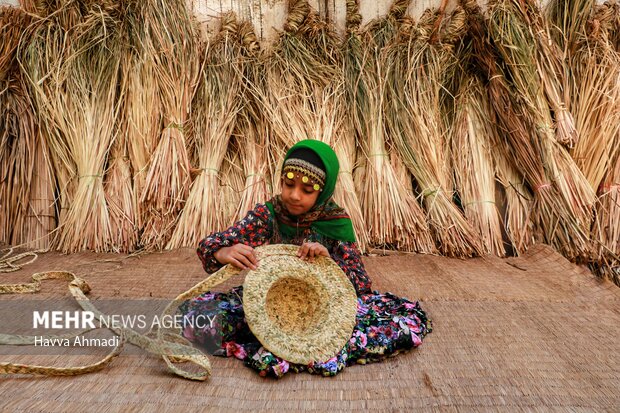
(386, 324)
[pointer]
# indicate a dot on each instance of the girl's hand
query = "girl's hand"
(240, 255)
(309, 250)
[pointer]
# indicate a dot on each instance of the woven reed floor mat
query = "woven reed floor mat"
(535, 333)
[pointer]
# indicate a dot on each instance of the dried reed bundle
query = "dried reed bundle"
(75, 92)
(27, 214)
(252, 126)
(46, 81)
(518, 204)
(474, 166)
(417, 71)
(346, 141)
(392, 215)
(606, 22)
(141, 111)
(595, 66)
(171, 34)
(473, 107)
(611, 9)
(550, 62)
(563, 200)
(26, 182)
(216, 106)
(601, 65)
(534, 65)
(302, 84)
(91, 107)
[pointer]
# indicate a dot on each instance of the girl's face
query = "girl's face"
(298, 197)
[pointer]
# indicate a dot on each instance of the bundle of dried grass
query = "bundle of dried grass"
(553, 71)
(91, 107)
(46, 80)
(216, 106)
(76, 94)
(27, 214)
(171, 40)
(600, 62)
(252, 126)
(596, 104)
(302, 84)
(141, 111)
(472, 157)
(563, 198)
(392, 215)
(606, 227)
(418, 68)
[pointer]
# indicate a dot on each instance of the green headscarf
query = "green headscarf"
(325, 217)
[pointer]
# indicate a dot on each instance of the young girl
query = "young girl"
(303, 214)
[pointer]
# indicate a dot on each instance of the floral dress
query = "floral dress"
(386, 324)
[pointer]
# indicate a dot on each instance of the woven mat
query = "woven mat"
(519, 334)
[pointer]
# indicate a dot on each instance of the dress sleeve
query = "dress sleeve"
(348, 257)
(253, 230)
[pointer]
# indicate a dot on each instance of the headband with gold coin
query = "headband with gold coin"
(309, 172)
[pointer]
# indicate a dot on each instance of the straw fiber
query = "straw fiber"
(534, 333)
(299, 311)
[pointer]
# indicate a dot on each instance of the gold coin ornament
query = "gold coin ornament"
(290, 175)
(316, 187)
(304, 179)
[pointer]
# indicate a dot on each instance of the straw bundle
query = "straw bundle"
(472, 148)
(75, 93)
(346, 142)
(563, 199)
(302, 84)
(46, 84)
(216, 105)
(252, 126)
(595, 66)
(27, 213)
(26, 182)
(171, 35)
(606, 228)
(553, 72)
(92, 73)
(416, 74)
(392, 215)
(518, 205)
(141, 109)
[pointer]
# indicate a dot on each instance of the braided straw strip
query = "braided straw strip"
(8, 264)
(167, 345)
